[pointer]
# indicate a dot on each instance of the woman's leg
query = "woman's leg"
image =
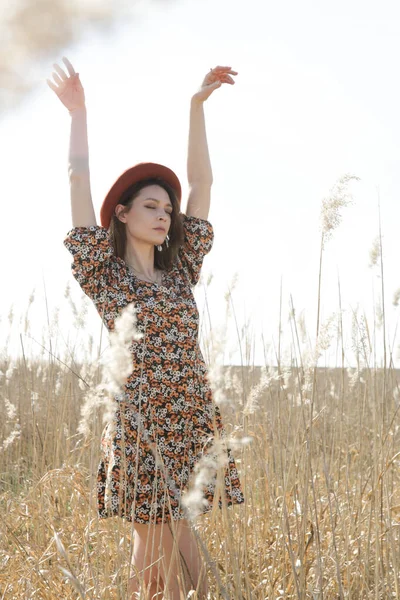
(155, 557)
(145, 554)
(197, 578)
(159, 560)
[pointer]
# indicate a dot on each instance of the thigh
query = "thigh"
(189, 552)
(186, 540)
(146, 553)
(155, 554)
(195, 568)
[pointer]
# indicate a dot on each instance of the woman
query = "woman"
(147, 252)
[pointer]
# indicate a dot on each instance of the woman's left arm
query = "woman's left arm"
(199, 171)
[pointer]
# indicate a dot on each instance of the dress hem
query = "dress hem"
(108, 514)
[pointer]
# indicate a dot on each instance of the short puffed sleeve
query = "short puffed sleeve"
(92, 252)
(198, 241)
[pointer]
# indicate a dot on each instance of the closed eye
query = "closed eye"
(169, 212)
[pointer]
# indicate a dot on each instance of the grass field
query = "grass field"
(321, 481)
(321, 476)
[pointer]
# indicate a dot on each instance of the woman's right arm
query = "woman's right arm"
(78, 171)
(70, 91)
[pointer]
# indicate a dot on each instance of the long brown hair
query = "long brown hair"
(117, 231)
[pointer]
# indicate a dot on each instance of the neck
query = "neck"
(139, 256)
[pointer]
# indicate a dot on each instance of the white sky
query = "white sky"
(317, 95)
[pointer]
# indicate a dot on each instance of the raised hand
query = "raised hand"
(68, 88)
(213, 80)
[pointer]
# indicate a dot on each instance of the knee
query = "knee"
(152, 587)
(133, 587)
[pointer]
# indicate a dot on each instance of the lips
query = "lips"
(159, 229)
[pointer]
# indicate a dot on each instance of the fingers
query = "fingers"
(223, 74)
(52, 86)
(70, 68)
(224, 69)
(60, 73)
(59, 76)
(57, 79)
(222, 79)
(227, 79)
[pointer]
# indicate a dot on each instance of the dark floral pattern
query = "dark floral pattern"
(166, 417)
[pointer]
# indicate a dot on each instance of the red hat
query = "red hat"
(133, 175)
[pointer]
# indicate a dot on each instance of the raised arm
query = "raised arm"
(70, 91)
(199, 171)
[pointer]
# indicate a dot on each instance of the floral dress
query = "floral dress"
(165, 418)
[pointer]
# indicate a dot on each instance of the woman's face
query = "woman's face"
(152, 208)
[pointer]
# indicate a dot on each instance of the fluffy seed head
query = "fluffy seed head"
(375, 252)
(396, 297)
(118, 362)
(331, 206)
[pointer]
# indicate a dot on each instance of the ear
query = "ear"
(119, 212)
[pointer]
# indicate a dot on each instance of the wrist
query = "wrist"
(79, 111)
(196, 101)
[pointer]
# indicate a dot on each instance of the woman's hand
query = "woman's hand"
(68, 89)
(213, 80)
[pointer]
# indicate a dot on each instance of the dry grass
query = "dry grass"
(322, 512)
(321, 477)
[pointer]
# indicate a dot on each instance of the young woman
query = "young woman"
(147, 252)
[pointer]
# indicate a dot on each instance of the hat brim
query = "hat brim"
(129, 177)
